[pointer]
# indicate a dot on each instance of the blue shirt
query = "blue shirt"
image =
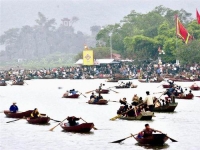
(13, 108)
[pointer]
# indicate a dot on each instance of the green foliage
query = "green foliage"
(190, 53)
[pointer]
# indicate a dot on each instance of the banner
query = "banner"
(181, 31)
(198, 17)
(88, 57)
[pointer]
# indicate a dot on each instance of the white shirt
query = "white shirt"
(149, 100)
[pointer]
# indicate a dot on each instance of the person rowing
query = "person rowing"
(171, 83)
(13, 108)
(170, 93)
(72, 120)
(147, 132)
(73, 92)
(35, 114)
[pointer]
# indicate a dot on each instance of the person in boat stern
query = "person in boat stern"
(13, 108)
(149, 101)
(147, 132)
(72, 120)
(170, 93)
(35, 114)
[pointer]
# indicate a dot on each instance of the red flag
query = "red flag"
(198, 17)
(181, 31)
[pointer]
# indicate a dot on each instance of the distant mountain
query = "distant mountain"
(17, 13)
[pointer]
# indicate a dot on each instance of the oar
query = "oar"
(89, 92)
(82, 94)
(119, 141)
(114, 91)
(159, 85)
(25, 82)
(15, 120)
(171, 139)
(86, 122)
(57, 125)
(55, 120)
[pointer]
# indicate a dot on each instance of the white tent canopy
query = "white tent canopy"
(98, 61)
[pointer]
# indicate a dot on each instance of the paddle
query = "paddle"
(89, 92)
(15, 120)
(114, 91)
(25, 82)
(171, 139)
(82, 94)
(86, 122)
(55, 120)
(119, 141)
(57, 125)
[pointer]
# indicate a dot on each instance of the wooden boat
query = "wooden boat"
(166, 108)
(166, 86)
(112, 80)
(40, 120)
(100, 102)
(141, 116)
(71, 96)
(144, 81)
(155, 139)
(3, 83)
(18, 83)
(188, 96)
(18, 114)
(123, 87)
(103, 91)
(195, 88)
(84, 127)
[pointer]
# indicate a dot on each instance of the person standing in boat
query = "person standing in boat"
(13, 108)
(135, 100)
(72, 120)
(147, 132)
(149, 101)
(170, 93)
(35, 114)
(171, 83)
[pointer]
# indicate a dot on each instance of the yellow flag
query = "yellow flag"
(88, 57)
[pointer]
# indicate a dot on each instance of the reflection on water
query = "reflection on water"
(165, 146)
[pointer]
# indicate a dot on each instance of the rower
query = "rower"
(73, 92)
(171, 83)
(147, 132)
(170, 93)
(35, 114)
(72, 120)
(135, 100)
(149, 101)
(13, 108)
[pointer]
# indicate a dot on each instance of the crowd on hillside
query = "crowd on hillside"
(104, 71)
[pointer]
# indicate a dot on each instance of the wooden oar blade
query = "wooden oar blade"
(114, 118)
(172, 140)
(55, 120)
(119, 141)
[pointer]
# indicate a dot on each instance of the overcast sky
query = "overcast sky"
(17, 13)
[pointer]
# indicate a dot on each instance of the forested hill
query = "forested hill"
(17, 13)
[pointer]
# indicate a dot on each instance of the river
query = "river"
(182, 125)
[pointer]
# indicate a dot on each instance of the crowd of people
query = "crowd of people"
(145, 71)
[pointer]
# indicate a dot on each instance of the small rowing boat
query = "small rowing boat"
(141, 116)
(195, 87)
(188, 96)
(71, 96)
(84, 127)
(18, 114)
(3, 83)
(144, 81)
(40, 120)
(103, 91)
(18, 83)
(166, 108)
(125, 87)
(100, 102)
(155, 139)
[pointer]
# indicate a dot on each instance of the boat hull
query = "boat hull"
(141, 116)
(103, 91)
(155, 139)
(100, 102)
(71, 96)
(166, 108)
(40, 120)
(84, 127)
(18, 83)
(196, 88)
(18, 114)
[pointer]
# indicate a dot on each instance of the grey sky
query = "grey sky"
(16, 13)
